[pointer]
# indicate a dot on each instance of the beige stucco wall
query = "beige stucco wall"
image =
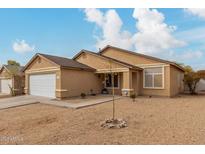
(41, 65)
(69, 82)
(136, 83)
(75, 82)
(97, 62)
(157, 92)
(171, 86)
(126, 57)
(40, 62)
(176, 81)
(100, 63)
(4, 74)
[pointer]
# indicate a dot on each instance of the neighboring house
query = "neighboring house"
(147, 76)
(59, 77)
(11, 76)
(201, 84)
(87, 72)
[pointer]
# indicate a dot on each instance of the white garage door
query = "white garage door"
(5, 85)
(43, 85)
(200, 85)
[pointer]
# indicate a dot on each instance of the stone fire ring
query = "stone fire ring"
(114, 123)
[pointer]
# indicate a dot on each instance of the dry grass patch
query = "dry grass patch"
(150, 121)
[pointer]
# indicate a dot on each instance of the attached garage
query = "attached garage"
(59, 77)
(43, 85)
(5, 84)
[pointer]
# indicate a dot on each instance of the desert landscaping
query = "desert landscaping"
(179, 120)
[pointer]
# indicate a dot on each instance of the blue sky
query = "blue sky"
(173, 34)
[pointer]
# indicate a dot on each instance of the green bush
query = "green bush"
(133, 97)
(83, 95)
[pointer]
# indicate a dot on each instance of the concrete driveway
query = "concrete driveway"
(27, 99)
(19, 101)
(2, 95)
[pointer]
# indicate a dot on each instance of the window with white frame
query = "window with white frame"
(108, 81)
(153, 77)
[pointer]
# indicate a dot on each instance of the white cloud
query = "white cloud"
(192, 55)
(22, 46)
(154, 35)
(197, 35)
(111, 26)
(196, 11)
(94, 15)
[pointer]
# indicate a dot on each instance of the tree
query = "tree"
(14, 70)
(191, 78)
(201, 73)
(13, 62)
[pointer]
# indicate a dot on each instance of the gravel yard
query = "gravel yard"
(178, 120)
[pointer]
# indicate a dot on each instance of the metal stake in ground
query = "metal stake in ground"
(114, 122)
(113, 91)
(113, 96)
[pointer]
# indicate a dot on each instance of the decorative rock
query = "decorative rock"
(114, 123)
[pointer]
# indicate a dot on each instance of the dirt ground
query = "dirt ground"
(178, 120)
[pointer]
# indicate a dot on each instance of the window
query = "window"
(153, 77)
(109, 80)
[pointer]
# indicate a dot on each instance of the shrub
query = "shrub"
(12, 92)
(133, 97)
(83, 95)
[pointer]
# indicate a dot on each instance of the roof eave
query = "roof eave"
(77, 68)
(131, 52)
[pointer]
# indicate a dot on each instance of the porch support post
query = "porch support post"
(127, 83)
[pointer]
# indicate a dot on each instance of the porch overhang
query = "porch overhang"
(114, 70)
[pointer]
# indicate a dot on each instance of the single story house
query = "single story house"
(59, 77)
(11, 77)
(145, 75)
(90, 72)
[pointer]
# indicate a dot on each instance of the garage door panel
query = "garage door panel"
(43, 85)
(201, 85)
(5, 83)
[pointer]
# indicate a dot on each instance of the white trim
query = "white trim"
(61, 90)
(152, 65)
(112, 70)
(127, 89)
(42, 70)
(163, 78)
(6, 77)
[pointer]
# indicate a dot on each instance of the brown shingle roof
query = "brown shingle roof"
(66, 63)
(62, 62)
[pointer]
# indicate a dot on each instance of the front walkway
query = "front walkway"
(78, 103)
